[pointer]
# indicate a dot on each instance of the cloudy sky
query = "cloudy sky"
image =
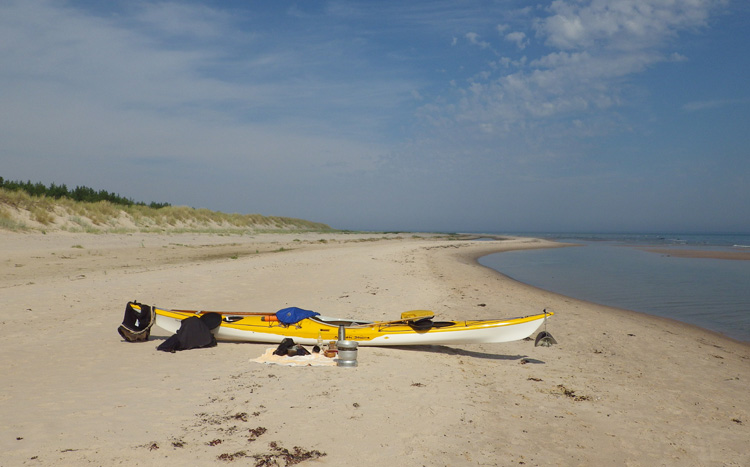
(451, 115)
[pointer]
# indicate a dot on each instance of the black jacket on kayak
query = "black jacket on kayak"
(194, 333)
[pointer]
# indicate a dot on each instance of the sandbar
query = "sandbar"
(743, 255)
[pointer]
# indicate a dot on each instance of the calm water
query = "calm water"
(611, 270)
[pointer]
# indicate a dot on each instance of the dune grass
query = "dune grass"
(20, 211)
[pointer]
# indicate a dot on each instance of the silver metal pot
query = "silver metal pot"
(347, 355)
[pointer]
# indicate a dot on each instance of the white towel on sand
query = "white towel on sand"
(315, 359)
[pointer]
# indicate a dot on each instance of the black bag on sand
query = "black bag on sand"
(136, 325)
(283, 348)
(194, 333)
(290, 349)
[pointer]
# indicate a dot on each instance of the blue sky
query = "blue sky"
(508, 115)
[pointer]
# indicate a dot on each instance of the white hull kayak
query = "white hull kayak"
(309, 331)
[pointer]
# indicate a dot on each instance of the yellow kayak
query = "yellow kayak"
(414, 328)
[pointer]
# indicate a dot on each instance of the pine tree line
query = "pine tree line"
(79, 193)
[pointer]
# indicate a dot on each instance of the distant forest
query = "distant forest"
(79, 193)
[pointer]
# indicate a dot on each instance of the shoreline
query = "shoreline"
(687, 254)
(619, 388)
(641, 314)
(476, 256)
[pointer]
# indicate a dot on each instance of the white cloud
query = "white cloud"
(592, 47)
(712, 104)
(111, 63)
(121, 94)
(622, 24)
(677, 57)
(519, 38)
(187, 20)
(474, 39)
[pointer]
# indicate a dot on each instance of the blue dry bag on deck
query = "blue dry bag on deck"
(293, 315)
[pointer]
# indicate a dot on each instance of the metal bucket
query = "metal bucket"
(347, 353)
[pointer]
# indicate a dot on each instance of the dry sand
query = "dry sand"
(621, 388)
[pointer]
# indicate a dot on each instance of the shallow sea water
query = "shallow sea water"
(613, 270)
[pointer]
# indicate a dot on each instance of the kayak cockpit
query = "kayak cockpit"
(329, 321)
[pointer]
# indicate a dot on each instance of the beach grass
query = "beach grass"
(9, 222)
(20, 211)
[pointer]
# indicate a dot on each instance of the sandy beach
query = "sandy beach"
(620, 388)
